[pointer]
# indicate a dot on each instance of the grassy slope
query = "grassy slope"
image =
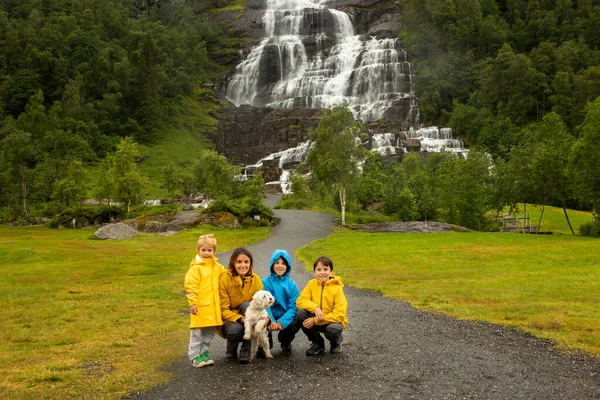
(181, 142)
(89, 318)
(545, 284)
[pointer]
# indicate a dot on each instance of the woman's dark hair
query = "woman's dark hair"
(325, 261)
(235, 254)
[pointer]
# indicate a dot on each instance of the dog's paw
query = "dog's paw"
(269, 355)
(246, 337)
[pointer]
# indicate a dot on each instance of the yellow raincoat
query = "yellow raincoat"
(328, 296)
(202, 289)
(234, 292)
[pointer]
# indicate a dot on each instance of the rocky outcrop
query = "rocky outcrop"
(410, 227)
(247, 134)
(118, 231)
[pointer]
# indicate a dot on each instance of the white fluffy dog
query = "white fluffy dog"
(255, 327)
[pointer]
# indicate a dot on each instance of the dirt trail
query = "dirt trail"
(391, 351)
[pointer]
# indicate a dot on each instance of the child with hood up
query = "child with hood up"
(285, 291)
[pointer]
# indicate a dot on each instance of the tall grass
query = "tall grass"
(544, 284)
(88, 318)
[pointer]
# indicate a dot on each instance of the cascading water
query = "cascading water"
(312, 58)
(432, 140)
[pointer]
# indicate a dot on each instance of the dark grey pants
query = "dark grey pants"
(286, 335)
(234, 333)
(332, 331)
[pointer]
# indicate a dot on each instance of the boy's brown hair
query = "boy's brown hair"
(326, 261)
(208, 239)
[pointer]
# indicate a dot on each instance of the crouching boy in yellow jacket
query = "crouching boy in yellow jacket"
(322, 308)
(202, 290)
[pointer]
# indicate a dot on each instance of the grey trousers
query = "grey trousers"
(200, 339)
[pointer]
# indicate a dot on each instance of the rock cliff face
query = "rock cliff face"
(248, 133)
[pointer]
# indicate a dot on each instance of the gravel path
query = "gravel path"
(391, 351)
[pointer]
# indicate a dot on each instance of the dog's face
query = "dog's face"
(263, 298)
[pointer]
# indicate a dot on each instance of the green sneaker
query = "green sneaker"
(207, 358)
(199, 361)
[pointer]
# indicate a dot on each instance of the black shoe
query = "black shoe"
(286, 348)
(244, 357)
(260, 353)
(335, 348)
(316, 348)
(232, 349)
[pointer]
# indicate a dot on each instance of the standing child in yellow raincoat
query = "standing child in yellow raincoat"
(202, 290)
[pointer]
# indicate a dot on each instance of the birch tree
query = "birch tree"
(335, 156)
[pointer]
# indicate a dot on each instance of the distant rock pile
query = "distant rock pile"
(410, 227)
(166, 224)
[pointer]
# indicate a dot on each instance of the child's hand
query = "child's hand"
(308, 323)
(275, 326)
(319, 314)
(194, 309)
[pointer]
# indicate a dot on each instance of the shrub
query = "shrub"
(590, 229)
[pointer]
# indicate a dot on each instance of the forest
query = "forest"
(517, 80)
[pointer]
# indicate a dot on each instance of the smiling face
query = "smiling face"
(279, 267)
(323, 272)
(242, 265)
(206, 251)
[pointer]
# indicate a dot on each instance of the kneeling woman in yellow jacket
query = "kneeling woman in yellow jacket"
(237, 285)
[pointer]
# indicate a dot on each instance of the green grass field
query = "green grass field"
(87, 318)
(547, 285)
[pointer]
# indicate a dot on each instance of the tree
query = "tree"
(464, 189)
(171, 178)
(18, 157)
(335, 156)
(550, 146)
(585, 158)
(128, 181)
(370, 187)
(105, 182)
(71, 189)
(214, 176)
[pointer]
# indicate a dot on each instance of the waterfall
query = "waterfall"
(312, 58)
(436, 140)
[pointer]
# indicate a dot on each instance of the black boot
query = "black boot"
(286, 348)
(244, 357)
(231, 351)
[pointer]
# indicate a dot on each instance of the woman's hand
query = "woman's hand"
(319, 314)
(194, 309)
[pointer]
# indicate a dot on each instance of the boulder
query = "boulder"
(220, 219)
(118, 231)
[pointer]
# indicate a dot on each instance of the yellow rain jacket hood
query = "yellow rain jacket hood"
(329, 296)
(202, 289)
(234, 291)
